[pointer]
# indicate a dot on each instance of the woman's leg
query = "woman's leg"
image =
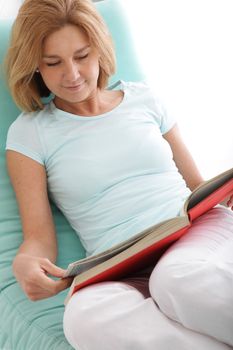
(193, 281)
(120, 316)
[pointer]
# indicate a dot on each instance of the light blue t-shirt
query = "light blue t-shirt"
(112, 175)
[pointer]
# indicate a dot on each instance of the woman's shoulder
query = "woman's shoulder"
(141, 91)
(24, 136)
(29, 118)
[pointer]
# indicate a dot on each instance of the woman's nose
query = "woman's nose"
(72, 72)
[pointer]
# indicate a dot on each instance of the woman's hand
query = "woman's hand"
(32, 274)
(230, 202)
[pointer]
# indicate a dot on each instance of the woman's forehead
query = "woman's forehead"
(69, 37)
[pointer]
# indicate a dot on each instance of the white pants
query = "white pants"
(185, 304)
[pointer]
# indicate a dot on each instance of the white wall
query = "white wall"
(186, 47)
(9, 8)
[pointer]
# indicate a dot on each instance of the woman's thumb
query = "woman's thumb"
(52, 269)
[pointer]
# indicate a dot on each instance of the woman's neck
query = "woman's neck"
(98, 103)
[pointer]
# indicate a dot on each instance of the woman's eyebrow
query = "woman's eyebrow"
(76, 52)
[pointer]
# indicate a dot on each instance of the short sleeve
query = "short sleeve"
(166, 120)
(163, 118)
(24, 138)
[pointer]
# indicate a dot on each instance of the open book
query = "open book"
(146, 247)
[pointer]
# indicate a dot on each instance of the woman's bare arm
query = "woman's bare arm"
(37, 254)
(185, 162)
(183, 159)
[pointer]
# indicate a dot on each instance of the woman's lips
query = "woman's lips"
(75, 87)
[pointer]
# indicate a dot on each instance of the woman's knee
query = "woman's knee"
(96, 308)
(193, 282)
(201, 260)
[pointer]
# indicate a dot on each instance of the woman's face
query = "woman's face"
(69, 65)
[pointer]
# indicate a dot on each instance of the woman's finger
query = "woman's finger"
(52, 269)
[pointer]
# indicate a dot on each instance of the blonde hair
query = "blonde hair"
(35, 21)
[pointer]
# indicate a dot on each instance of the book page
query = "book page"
(82, 265)
(207, 188)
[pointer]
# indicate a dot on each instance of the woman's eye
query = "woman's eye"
(82, 57)
(52, 64)
(77, 58)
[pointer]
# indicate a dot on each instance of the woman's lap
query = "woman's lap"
(193, 281)
(128, 316)
(115, 315)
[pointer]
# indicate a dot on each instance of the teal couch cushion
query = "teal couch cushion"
(37, 325)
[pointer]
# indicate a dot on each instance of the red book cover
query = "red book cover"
(131, 264)
(213, 199)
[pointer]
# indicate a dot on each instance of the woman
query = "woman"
(114, 162)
